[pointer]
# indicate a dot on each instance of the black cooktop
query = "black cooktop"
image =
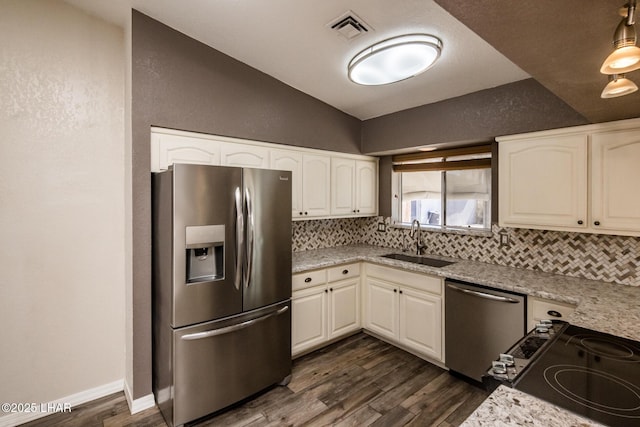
(593, 374)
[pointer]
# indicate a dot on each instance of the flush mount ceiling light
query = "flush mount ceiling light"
(618, 85)
(626, 56)
(394, 59)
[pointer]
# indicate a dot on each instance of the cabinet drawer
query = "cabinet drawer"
(418, 281)
(308, 279)
(545, 309)
(343, 272)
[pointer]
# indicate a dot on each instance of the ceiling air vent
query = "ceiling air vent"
(349, 25)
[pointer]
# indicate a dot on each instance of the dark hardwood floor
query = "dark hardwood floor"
(360, 381)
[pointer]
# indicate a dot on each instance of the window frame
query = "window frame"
(396, 208)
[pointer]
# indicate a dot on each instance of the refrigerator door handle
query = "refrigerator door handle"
(233, 328)
(239, 238)
(250, 231)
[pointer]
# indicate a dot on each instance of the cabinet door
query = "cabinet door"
(308, 319)
(539, 309)
(381, 308)
(421, 322)
(344, 307)
(614, 181)
(316, 176)
(366, 187)
(242, 155)
(290, 161)
(343, 186)
(169, 149)
(543, 182)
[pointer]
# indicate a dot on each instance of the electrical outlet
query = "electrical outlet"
(504, 239)
(382, 227)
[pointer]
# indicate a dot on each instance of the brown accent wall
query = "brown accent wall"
(523, 106)
(180, 83)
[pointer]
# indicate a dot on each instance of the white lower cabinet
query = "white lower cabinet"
(399, 306)
(421, 322)
(325, 305)
(381, 307)
(405, 308)
(539, 309)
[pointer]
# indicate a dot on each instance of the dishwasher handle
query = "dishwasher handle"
(484, 294)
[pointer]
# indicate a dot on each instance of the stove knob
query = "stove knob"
(507, 359)
(542, 328)
(498, 368)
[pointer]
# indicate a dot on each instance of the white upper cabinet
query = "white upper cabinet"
(544, 182)
(291, 161)
(343, 186)
(316, 190)
(576, 179)
(367, 187)
(244, 155)
(168, 149)
(354, 187)
(615, 176)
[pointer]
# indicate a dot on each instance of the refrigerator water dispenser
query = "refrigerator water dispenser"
(204, 253)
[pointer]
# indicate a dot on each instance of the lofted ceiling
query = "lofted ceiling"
(291, 41)
(487, 43)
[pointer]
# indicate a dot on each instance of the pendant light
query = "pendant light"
(394, 59)
(626, 56)
(618, 85)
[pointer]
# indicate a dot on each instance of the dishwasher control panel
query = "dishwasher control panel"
(507, 368)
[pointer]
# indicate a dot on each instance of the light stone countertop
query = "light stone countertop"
(510, 407)
(605, 307)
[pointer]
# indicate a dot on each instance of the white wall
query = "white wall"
(62, 192)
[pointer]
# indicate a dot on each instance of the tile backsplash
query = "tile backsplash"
(590, 256)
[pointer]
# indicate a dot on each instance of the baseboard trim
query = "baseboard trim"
(16, 418)
(140, 404)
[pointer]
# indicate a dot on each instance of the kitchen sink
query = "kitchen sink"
(431, 262)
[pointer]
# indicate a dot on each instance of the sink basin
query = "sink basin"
(431, 262)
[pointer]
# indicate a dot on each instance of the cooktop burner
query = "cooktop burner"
(593, 374)
(607, 347)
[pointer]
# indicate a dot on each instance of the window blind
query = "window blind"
(460, 158)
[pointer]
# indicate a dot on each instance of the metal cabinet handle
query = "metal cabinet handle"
(345, 271)
(400, 291)
(233, 328)
(580, 222)
(484, 295)
(395, 290)
(331, 289)
(596, 223)
(307, 280)
(554, 313)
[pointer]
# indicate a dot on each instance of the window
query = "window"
(454, 192)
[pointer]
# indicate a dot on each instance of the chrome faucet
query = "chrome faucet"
(415, 232)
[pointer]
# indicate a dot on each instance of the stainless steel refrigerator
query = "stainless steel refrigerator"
(221, 252)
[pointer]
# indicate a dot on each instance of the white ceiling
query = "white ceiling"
(290, 40)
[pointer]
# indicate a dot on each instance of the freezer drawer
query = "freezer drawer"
(219, 363)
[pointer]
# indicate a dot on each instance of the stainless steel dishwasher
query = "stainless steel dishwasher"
(480, 323)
